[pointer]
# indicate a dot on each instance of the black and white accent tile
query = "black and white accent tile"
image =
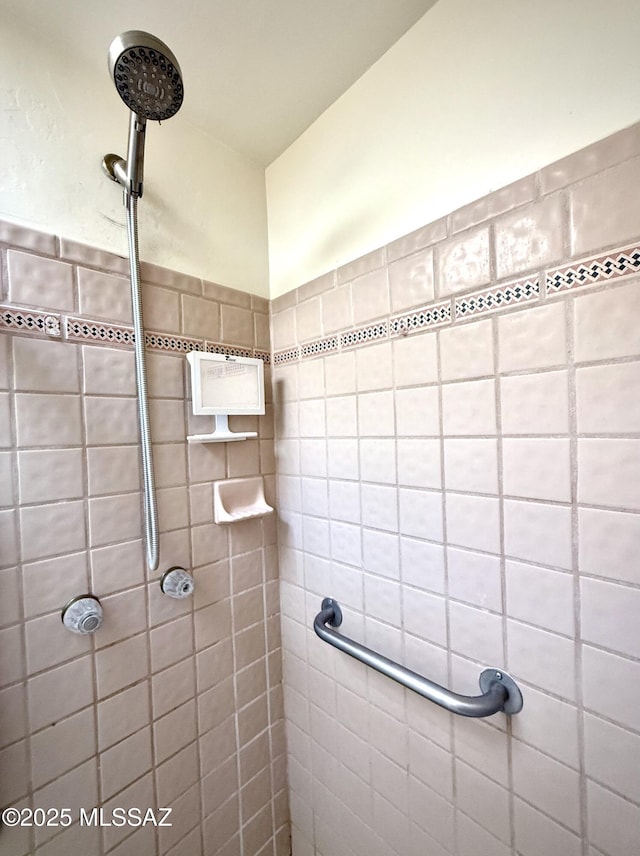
(499, 297)
(364, 335)
(289, 355)
(591, 271)
(86, 330)
(420, 319)
(30, 321)
(227, 350)
(319, 347)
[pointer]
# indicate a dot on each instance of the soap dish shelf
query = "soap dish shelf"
(239, 499)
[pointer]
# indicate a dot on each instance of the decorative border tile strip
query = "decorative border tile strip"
(319, 347)
(362, 335)
(290, 355)
(498, 297)
(30, 321)
(592, 270)
(173, 344)
(86, 330)
(265, 356)
(419, 319)
(229, 350)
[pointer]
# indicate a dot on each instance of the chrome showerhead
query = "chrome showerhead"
(146, 74)
(149, 81)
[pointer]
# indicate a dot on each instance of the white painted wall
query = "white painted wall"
(474, 96)
(203, 211)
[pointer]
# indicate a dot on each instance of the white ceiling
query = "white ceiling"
(256, 72)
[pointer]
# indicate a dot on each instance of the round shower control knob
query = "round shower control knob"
(82, 614)
(176, 582)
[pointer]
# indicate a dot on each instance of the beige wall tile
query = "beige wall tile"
(535, 403)
(466, 351)
(415, 360)
(48, 420)
(108, 371)
(200, 318)
(337, 312)
(47, 530)
(110, 421)
(604, 208)
(160, 308)
(464, 262)
(612, 821)
(121, 665)
(370, 296)
(43, 366)
(122, 715)
(45, 475)
(530, 237)
(283, 329)
(605, 324)
(40, 282)
(113, 469)
(308, 320)
(534, 339)
(57, 749)
(537, 834)
(411, 281)
(236, 326)
(60, 692)
(104, 296)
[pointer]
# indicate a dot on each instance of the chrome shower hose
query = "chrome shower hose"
(150, 509)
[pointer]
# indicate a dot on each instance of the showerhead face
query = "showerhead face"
(146, 74)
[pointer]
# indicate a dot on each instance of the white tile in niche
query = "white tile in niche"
(421, 513)
(417, 412)
(473, 521)
(609, 472)
(475, 578)
(379, 507)
(466, 351)
(613, 822)
(342, 459)
(425, 615)
(547, 784)
(342, 418)
(609, 544)
(605, 324)
(313, 457)
(540, 596)
(612, 756)
(533, 339)
(471, 465)
(537, 469)
(608, 398)
(344, 501)
(415, 359)
(475, 633)
(419, 463)
(611, 685)
(381, 553)
(535, 403)
(378, 460)
(469, 408)
(541, 658)
(376, 414)
(346, 543)
(538, 532)
(422, 564)
(551, 726)
(609, 616)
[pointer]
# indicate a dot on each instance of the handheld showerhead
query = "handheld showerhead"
(149, 81)
(146, 74)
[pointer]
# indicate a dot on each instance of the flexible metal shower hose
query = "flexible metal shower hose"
(150, 509)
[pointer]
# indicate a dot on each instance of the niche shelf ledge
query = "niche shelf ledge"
(239, 499)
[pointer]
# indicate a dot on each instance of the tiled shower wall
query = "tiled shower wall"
(458, 459)
(171, 703)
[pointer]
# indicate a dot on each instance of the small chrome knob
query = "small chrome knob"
(83, 614)
(176, 582)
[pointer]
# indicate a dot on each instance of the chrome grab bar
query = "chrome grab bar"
(499, 691)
